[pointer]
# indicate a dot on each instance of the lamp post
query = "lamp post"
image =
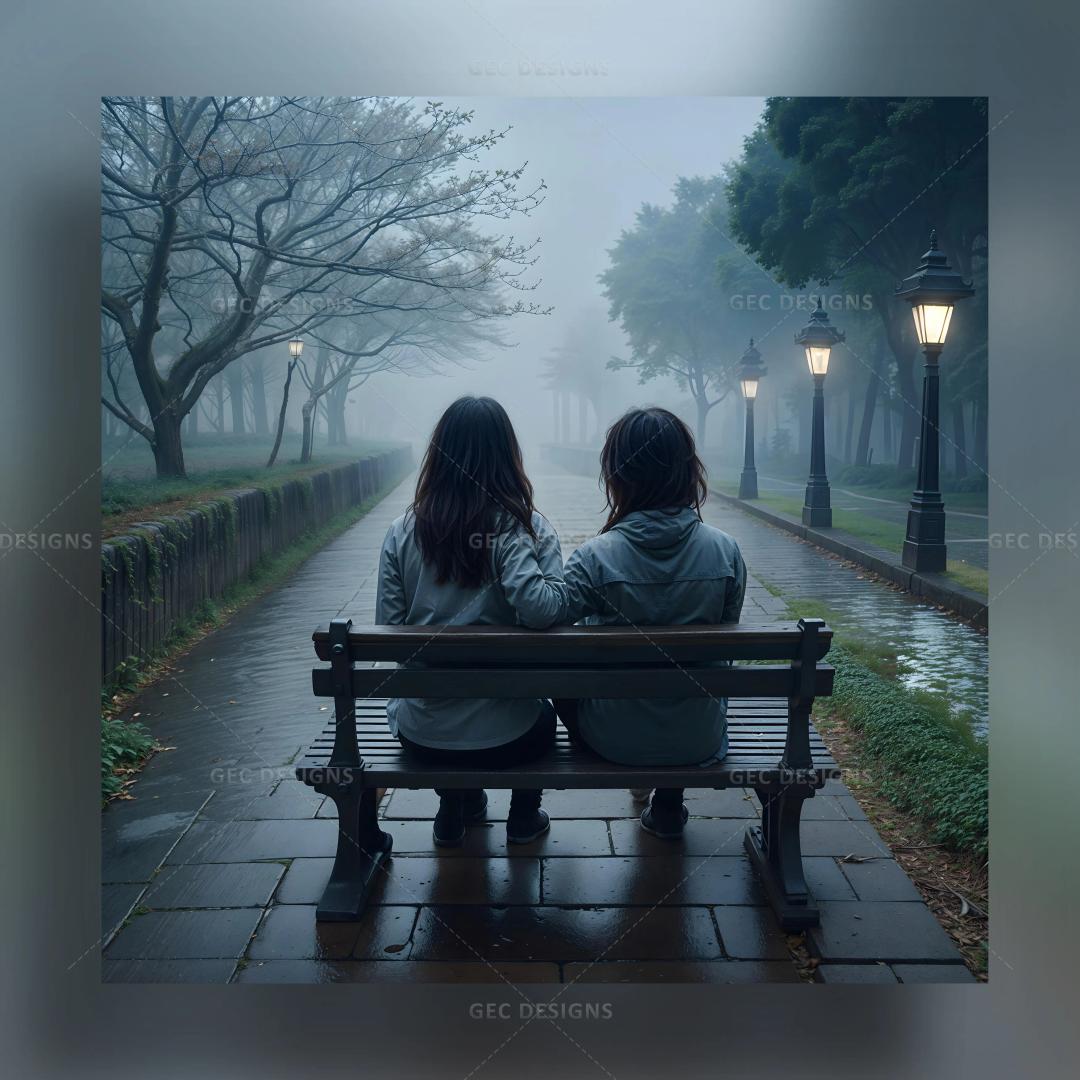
(932, 291)
(817, 338)
(750, 372)
(296, 349)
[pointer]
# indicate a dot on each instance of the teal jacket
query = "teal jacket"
(656, 568)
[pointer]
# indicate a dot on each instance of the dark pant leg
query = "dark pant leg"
(668, 799)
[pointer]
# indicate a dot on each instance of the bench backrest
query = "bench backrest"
(579, 661)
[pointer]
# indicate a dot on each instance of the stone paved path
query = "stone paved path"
(211, 873)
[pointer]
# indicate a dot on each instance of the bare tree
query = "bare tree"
(233, 224)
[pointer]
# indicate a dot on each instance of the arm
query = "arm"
(584, 598)
(390, 607)
(531, 576)
(736, 589)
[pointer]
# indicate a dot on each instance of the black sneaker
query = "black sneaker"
(667, 824)
(449, 827)
(527, 827)
(475, 806)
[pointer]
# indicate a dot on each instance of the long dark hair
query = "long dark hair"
(650, 462)
(472, 488)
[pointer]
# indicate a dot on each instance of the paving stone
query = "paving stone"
(265, 807)
(290, 932)
(854, 973)
(690, 971)
(670, 879)
(240, 841)
(185, 935)
(565, 934)
(751, 933)
(216, 885)
(702, 837)
(880, 879)
(116, 904)
(842, 838)
(387, 971)
(721, 803)
(882, 930)
(933, 973)
(849, 804)
(565, 838)
(167, 971)
(304, 881)
(823, 808)
(826, 880)
(135, 842)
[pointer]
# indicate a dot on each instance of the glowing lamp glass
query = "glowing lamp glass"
(932, 322)
(817, 359)
(296, 347)
(749, 387)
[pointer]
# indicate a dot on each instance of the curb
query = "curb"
(966, 603)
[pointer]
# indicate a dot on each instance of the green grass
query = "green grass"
(124, 747)
(925, 757)
(922, 760)
(884, 534)
(129, 487)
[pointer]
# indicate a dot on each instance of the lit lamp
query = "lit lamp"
(817, 338)
(932, 291)
(750, 372)
(296, 347)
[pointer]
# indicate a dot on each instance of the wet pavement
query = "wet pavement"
(212, 871)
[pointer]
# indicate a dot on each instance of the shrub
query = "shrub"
(124, 745)
(927, 764)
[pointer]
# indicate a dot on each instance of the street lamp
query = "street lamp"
(296, 348)
(750, 372)
(817, 338)
(932, 291)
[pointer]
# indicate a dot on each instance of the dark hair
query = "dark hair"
(472, 488)
(649, 462)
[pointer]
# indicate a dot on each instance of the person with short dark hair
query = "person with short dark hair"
(655, 563)
(472, 550)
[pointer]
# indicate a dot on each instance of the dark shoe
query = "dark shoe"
(475, 806)
(667, 824)
(449, 827)
(525, 828)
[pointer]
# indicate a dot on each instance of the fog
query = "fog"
(600, 160)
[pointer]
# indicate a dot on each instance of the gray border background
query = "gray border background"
(59, 57)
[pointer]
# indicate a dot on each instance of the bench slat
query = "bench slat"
(439, 645)
(657, 682)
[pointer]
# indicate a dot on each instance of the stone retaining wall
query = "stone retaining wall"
(158, 575)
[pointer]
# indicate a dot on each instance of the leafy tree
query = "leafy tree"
(831, 188)
(231, 224)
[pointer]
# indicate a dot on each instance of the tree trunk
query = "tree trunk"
(308, 412)
(702, 420)
(564, 408)
(850, 428)
(887, 428)
(257, 378)
(219, 399)
(959, 439)
(862, 448)
(583, 420)
(235, 377)
(336, 401)
(980, 435)
(305, 443)
(168, 446)
(281, 414)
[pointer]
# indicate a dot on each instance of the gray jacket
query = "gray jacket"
(527, 590)
(656, 568)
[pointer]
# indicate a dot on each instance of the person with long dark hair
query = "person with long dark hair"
(472, 550)
(654, 563)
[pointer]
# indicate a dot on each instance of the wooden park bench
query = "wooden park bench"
(773, 747)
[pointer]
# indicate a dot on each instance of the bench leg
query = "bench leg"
(776, 853)
(362, 850)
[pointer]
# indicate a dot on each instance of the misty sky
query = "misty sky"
(601, 159)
